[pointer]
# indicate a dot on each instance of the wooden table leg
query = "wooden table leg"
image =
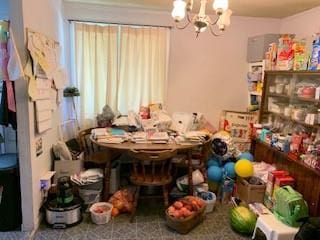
(190, 182)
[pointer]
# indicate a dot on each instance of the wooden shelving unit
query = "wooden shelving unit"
(307, 178)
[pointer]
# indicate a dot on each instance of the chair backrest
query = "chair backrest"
(86, 144)
(150, 164)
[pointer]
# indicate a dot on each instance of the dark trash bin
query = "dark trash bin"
(10, 203)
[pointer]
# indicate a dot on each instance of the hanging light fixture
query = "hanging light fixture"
(201, 21)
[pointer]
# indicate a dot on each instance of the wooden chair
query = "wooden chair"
(95, 156)
(202, 157)
(151, 168)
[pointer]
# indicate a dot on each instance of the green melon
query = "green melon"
(242, 220)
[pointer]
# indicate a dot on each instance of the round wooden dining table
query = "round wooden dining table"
(128, 145)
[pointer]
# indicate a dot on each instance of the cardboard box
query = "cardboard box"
(238, 124)
(250, 193)
(67, 167)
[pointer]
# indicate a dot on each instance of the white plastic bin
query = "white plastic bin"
(101, 212)
(210, 203)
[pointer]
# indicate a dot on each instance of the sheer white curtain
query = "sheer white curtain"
(143, 66)
(96, 60)
(122, 66)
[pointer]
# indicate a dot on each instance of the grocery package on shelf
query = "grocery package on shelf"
(285, 53)
(301, 55)
(315, 57)
(271, 57)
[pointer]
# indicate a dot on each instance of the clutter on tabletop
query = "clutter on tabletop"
(122, 201)
(105, 118)
(110, 135)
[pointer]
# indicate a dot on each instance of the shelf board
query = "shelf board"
(255, 93)
(282, 72)
(299, 162)
(294, 121)
(307, 99)
(278, 95)
(294, 97)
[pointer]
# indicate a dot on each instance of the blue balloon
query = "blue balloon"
(229, 169)
(213, 162)
(246, 155)
(215, 173)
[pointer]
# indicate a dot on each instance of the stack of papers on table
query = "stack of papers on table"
(110, 135)
(159, 137)
(192, 137)
(139, 137)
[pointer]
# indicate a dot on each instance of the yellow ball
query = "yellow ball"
(244, 168)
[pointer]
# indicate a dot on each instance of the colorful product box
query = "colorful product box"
(271, 180)
(283, 181)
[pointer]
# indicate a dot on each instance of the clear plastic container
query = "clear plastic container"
(101, 212)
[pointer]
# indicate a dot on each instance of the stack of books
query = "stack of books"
(109, 135)
(139, 137)
(159, 137)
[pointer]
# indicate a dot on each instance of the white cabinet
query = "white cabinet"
(255, 84)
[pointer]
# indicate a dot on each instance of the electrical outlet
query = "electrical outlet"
(45, 180)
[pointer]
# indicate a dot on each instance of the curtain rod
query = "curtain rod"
(117, 23)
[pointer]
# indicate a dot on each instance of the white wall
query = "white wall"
(42, 16)
(205, 74)
(208, 74)
(45, 17)
(303, 24)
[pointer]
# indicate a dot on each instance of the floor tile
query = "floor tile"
(14, 236)
(124, 230)
(100, 232)
(148, 230)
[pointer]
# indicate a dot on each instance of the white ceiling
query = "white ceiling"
(252, 8)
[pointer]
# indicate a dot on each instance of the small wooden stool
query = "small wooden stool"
(273, 228)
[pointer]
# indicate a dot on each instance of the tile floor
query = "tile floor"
(149, 224)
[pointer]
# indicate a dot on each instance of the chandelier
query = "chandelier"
(201, 21)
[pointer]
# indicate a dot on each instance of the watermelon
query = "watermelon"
(242, 220)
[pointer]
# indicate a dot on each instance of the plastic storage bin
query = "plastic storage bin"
(91, 193)
(210, 203)
(101, 212)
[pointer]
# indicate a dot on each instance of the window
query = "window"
(122, 66)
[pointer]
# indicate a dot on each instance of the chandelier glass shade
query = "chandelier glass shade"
(201, 21)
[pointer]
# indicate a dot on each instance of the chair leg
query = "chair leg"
(134, 209)
(165, 195)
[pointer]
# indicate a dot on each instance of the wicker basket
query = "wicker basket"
(184, 226)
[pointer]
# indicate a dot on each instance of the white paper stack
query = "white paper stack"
(191, 137)
(159, 137)
(139, 137)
